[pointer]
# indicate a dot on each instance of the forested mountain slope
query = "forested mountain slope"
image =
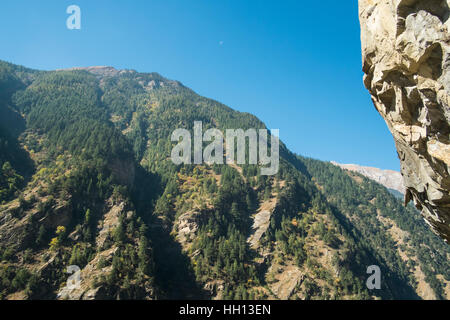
(86, 179)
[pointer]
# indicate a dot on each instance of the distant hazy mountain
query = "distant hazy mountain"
(388, 178)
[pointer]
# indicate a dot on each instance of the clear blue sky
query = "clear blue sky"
(294, 64)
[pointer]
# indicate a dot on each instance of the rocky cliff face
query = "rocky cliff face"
(406, 59)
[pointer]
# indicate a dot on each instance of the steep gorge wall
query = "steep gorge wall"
(406, 59)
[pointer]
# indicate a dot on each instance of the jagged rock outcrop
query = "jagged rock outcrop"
(406, 59)
(100, 71)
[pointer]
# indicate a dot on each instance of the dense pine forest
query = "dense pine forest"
(86, 179)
